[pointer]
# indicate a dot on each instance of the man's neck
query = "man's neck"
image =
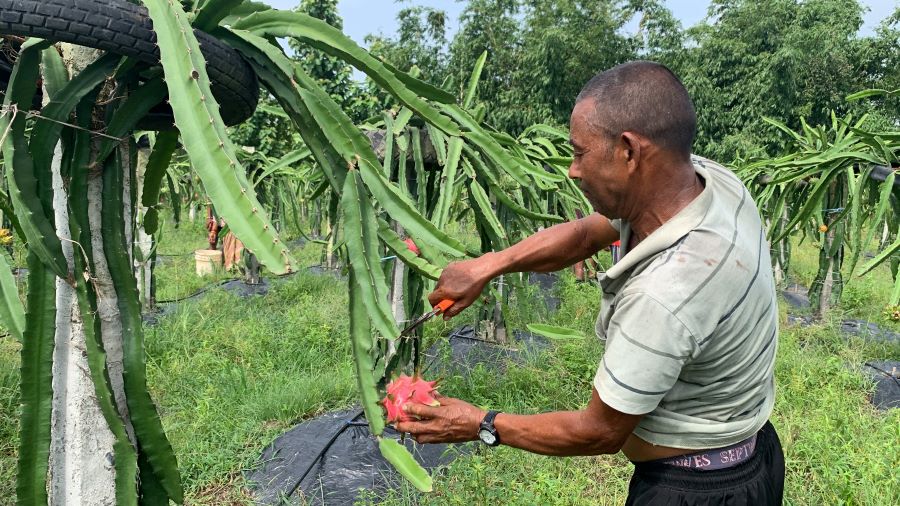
(664, 202)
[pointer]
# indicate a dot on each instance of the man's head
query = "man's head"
(628, 118)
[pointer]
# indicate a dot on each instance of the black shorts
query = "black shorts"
(757, 482)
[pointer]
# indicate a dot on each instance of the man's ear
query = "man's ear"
(631, 146)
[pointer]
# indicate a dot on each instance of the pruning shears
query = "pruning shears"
(439, 308)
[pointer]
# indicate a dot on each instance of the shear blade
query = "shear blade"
(418, 321)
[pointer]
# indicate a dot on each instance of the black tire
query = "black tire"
(124, 28)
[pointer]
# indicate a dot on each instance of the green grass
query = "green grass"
(229, 381)
(9, 417)
(231, 374)
(863, 297)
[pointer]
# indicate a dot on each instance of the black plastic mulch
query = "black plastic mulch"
(546, 281)
(869, 331)
(883, 373)
(333, 457)
(886, 375)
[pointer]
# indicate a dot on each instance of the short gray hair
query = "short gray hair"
(646, 98)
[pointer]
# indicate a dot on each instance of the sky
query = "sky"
(363, 17)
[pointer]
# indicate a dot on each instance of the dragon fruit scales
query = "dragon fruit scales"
(404, 390)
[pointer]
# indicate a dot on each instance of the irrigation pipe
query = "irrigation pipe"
(886, 373)
(198, 292)
(350, 422)
(213, 285)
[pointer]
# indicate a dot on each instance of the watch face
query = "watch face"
(487, 437)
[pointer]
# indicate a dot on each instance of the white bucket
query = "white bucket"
(208, 261)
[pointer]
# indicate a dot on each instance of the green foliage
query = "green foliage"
(539, 53)
(368, 285)
(400, 248)
(12, 312)
(822, 187)
(563, 45)
(334, 42)
(554, 332)
(267, 130)
(157, 165)
(152, 442)
(405, 464)
(778, 58)
(419, 46)
(29, 183)
(35, 386)
(331, 73)
(783, 59)
(211, 151)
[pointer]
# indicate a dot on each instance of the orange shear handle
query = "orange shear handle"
(444, 305)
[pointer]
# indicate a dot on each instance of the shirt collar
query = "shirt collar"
(669, 233)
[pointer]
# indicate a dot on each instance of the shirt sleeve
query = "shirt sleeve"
(646, 347)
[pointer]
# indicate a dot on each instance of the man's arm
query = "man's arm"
(557, 247)
(549, 250)
(597, 429)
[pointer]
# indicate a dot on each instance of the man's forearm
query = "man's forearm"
(556, 247)
(560, 433)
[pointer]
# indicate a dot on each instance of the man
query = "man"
(688, 314)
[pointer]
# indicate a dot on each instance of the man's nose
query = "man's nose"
(574, 173)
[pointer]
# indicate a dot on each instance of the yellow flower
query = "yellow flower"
(892, 313)
(5, 237)
(823, 228)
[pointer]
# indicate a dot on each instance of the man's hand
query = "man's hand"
(463, 282)
(454, 421)
(549, 250)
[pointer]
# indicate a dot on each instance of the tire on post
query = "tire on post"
(123, 28)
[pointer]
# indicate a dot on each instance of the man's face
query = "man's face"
(603, 175)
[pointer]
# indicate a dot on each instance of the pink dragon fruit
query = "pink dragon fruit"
(405, 390)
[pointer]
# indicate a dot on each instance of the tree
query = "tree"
(420, 47)
(782, 59)
(878, 58)
(420, 42)
(331, 73)
(490, 26)
(541, 52)
(564, 45)
(269, 130)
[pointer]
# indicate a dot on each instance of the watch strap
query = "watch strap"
(487, 423)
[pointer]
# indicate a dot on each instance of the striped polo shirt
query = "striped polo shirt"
(690, 321)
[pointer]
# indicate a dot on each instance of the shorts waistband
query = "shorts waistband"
(714, 458)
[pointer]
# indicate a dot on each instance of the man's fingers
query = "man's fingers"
(423, 411)
(424, 439)
(410, 427)
(454, 310)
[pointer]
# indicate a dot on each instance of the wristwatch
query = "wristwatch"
(487, 433)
